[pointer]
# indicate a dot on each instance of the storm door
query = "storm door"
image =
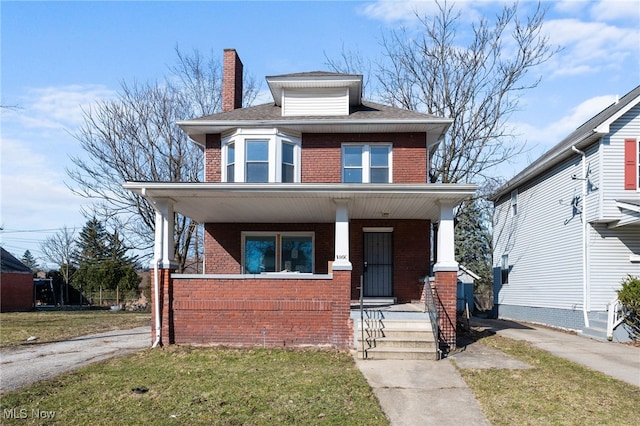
(378, 264)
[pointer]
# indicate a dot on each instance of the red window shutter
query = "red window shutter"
(630, 166)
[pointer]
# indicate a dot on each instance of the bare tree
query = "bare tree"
(474, 75)
(134, 138)
(59, 249)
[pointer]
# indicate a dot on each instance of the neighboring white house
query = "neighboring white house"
(567, 228)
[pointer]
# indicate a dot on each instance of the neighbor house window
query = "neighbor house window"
(505, 268)
(514, 203)
(261, 155)
(277, 252)
(366, 163)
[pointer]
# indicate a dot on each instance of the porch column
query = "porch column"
(446, 260)
(163, 247)
(341, 261)
(446, 274)
(163, 264)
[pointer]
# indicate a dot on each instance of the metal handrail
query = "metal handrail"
(447, 329)
(432, 310)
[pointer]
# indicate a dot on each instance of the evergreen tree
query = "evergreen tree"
(30, 261)
(103, 261)
(473, 243)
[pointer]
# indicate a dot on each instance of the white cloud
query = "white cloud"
(57, 107)
(610, 10)
(590, 47)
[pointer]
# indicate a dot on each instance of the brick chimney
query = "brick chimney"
(231, 81)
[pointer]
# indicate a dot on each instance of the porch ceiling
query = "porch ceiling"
(291, 203)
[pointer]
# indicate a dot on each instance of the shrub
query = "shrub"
(629, 297)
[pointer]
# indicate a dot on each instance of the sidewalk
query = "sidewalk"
(614, 359)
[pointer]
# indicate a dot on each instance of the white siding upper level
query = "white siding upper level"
(315, 102)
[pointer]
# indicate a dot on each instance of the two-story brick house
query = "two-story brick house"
(302, 197)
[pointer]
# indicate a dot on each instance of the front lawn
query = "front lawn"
(206, 386)
(555, 391)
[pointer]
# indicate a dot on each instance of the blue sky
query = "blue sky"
(60, 57)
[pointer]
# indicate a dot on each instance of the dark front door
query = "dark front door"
(378, 264)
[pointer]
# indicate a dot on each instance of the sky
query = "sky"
(58, 58)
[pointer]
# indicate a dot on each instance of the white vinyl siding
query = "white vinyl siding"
(315, 102)
(627, 126)
(543, 242)
(610, 250)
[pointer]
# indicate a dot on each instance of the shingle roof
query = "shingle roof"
(8, 263)
(365, 111)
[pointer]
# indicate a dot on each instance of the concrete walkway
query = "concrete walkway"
(614, 359)
(33, 362)
(422, 393)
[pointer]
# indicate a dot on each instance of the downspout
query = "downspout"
(156, 281)
(585, 240)
(156, 301)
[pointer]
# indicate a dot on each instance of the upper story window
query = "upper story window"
(366, 163)
(260, 155)
(514, 202)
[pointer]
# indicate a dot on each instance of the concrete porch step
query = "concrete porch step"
(422, 342)
(401, 353)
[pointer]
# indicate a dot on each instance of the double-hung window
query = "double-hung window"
(257, 161)
(261, 155)
(366, 163)
(277, 252)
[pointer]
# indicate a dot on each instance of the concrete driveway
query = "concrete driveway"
(38, 361)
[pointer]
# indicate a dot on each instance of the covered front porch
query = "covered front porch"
(283, 307)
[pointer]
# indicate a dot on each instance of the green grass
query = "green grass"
(50, 326)
(188, 385)
(554, 392)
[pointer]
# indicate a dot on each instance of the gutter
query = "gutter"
(585, 240)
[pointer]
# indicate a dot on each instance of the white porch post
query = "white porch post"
(163, 247)
(341, 261)
(446, 260)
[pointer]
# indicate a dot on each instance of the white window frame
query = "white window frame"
(366, 159)
(514, 203)
(278, 236)
(275, 138)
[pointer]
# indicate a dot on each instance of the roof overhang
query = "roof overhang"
(435, 128)
(302, 203)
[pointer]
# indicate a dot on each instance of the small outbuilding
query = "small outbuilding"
(16, 284)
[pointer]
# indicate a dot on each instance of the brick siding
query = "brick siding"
(321, 155)
(292, 312)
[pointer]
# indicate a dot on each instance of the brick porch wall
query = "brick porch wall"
(446, 283)
(292, 312)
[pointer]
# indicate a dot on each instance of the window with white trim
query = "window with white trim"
(514, 202)
(260, 155)
(366, 163)
(264, 252)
